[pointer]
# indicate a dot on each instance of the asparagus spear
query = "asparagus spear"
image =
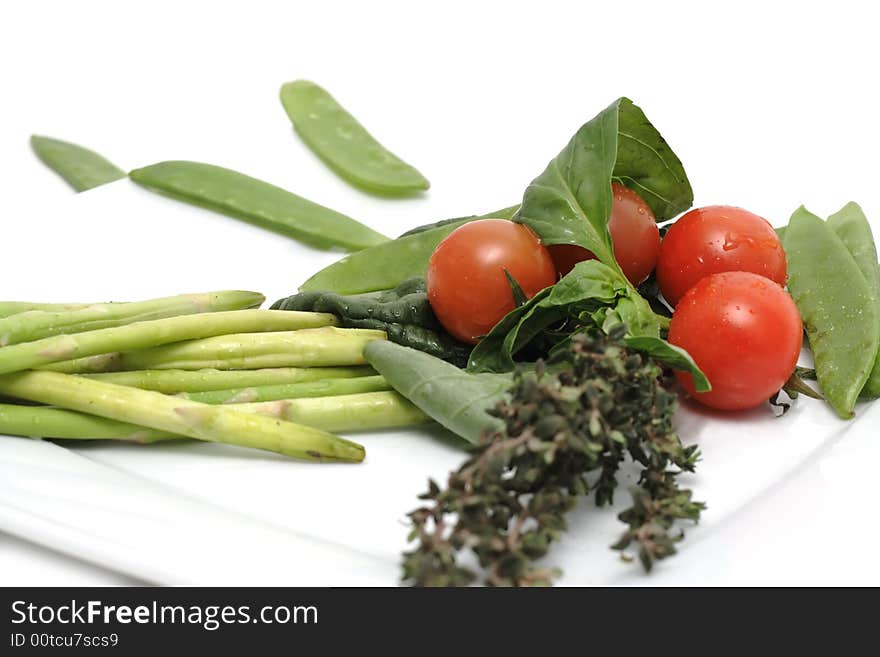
(180, 416)
(44, 422)
(35, 325)
(379, 410)
(147, 334)
(328, 388)
(172, 381)
(8, 308)
(320, 347)
(363, 412)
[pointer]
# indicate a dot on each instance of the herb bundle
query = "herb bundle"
(565, 433)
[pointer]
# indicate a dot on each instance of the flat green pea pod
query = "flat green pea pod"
(257, 202)
(404, 314)
(853, 229)
(344, 145)
(387, 265)
(837, 308)
(456, 221)
(81, 168)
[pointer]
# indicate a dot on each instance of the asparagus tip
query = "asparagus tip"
(344, 451)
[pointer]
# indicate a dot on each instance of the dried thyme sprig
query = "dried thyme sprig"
(507, 503)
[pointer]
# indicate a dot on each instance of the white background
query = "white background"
(769, 105)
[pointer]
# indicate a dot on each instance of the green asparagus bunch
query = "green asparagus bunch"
(273, 380)
(343, 413)
(179, 416)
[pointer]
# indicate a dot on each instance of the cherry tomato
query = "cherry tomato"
(634, 233)
(467, 287)
(714, 239)
(744, 332)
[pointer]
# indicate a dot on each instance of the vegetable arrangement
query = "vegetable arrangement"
(547, 335)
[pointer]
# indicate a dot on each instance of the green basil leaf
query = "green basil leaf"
(457, 400)
(570, 202)
(647, 165)
(675, 357)
(591, 293)
(494, 353)
(588, 280)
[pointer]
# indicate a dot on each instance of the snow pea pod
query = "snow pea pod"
(853, 229)
(257, 202)
(81, 168)
(344, 144)
(837, 308)
(387, 265)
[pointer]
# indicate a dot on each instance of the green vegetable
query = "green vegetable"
(854, 231)
(505, 213)
(328, 388)
(147, 334)
(589, 290)
(343, 144)
(669, 355)
(321, 347)
(508, 502)
(9, 308)
(45, 422)
(257, 202)
(36, 325)
(386, 266)
(570, 202)
(403, 313)
(349, 413)
(179, 416)
(345, 413)
(592, 294)
(443, 223)
(836, 305)
(457, 400)
(81, 168)
(173, 381)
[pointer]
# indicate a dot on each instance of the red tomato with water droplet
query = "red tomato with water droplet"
(715, 239)
(744, 332)
(467, 287)
(633, 231)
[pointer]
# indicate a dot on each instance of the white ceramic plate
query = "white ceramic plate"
(788, 498)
